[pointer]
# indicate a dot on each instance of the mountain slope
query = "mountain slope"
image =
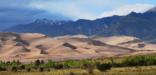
(141, 25)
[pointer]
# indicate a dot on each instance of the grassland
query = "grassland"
(140, 70)
(135, 65)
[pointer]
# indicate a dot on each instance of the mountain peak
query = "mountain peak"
(50, 22)
(133, 13)
(42, 21)
(82, 20)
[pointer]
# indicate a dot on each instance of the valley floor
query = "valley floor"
(141, 70)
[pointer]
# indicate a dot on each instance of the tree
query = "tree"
(37, 63)
(14, 68)
(89, 65)
(103, 66)
(15, 65)
(8, 62)
(72, 64)
(2, 67)
(49, 64)
(22, 67)
(28, 69)
(58, 66)
(42, 62)
(135, 61)
(41, 69)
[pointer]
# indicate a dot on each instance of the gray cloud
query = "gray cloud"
(14, 12)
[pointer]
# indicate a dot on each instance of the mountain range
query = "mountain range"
(140, 25)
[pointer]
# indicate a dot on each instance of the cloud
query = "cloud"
(25, 11)
(14, 15)
(67, 9)
(19, 12)
(76, 9)
(11, 16)
(90, 9)
(125, 10)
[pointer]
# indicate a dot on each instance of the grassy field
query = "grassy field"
(134, 65)
(143, 70)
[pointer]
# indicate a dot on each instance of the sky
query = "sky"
(14, 12)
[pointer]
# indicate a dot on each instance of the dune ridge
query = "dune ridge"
(28, 47)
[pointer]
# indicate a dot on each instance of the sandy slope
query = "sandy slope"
(128, 42)
(32, 46)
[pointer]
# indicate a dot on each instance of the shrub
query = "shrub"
(103, 66)
(14, 69)
(22, 67)
(87, 64)
(71, 64)
(2, 68)
(37, 63)
(58, 66)
(139, 61)
(49, 64)
(41, 69)
(8, 62)
(28, 69)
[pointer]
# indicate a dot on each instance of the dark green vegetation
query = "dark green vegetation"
(89, 66)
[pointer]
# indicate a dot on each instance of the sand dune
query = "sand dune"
(32, 46)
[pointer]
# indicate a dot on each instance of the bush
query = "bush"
(37, 63)
(14, 69)
(2, 68)
(41, 69)
(87, 64)
(28, 69)
(139, 61)
(71, 64)
(58, 66)
(103, 66)
(49, 64)
(22, 67)
(8, 62)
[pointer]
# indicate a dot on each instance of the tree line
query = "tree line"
(90, 65)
